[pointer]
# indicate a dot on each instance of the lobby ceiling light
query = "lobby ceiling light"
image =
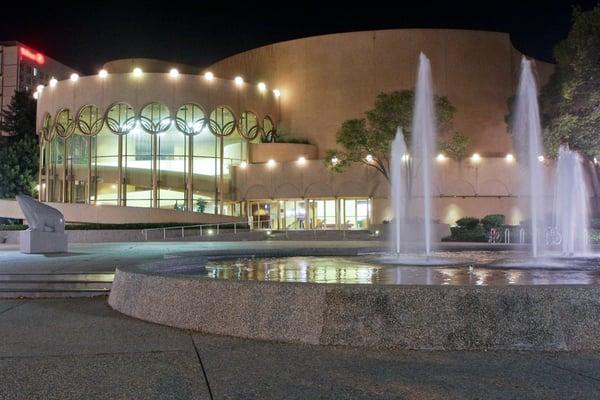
(475, 157)
(262, 86)
(53, 81)
(74, 77)
(509, 158)
(137, 72)
(209, 76)
(276, 93)
(173, 73)
(239, 81)
(103, 73)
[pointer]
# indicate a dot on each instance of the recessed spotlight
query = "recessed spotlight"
(209, 76)
(74, 77)
(137, 71)
(53, 81)
(103, 73)
(276, 92)
(173, 73)
(262, 86)
(238, 80)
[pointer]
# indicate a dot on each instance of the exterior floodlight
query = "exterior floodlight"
(103, 73)
(35, 95)
(137, 72)
(243, 165)
(209, 76)
(440, 157)
(509, 157)
(475, 157)
(209, 232)
(74, 77)
(369, 158)
(53, 81)
(405, 157)
(262, 86)
(271, 163)
(541, 158)
(173, 73)
(334, 160)
(39, 88)
(276, 92)
(301, 160)
(239, 80)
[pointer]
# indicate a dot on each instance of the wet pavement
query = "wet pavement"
(81, 348)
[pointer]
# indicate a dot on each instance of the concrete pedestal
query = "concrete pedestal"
(32, 242)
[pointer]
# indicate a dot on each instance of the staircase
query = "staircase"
(55, 285)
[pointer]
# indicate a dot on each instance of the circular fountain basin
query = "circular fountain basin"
(357, 302)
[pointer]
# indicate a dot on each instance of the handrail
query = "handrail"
(216, 225)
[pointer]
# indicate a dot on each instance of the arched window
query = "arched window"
(47, 127)
(269, 133)
(64, 125)
(190, 119)
(248, 125)
(222, 121)
(89, 120)
(120, 118)
(155, 118)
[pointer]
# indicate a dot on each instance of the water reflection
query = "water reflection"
(357, 270)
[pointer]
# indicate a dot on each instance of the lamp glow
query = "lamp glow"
(53, 81)
(334, 160)
(262, 86)
(74, 77)
(103, 73)
(239, 81)
(137, 72)
(276, 92)
(243, 165)
(209, 76)
(36, 95)
(39, 88)
(541, 158)
(440, 157)
(369, 158)
(405, 157)
(271, 163)
(301, 160)
(174, 73)
(509, 158)
(475, 157)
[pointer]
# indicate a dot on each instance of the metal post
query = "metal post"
(234, 228)
(164, 234)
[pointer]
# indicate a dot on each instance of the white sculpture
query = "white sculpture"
(46, 233)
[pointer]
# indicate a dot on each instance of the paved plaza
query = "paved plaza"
(81, 348)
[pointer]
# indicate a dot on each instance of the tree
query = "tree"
(570, 102)
(368, 139)
(456, 147)
(19, 152)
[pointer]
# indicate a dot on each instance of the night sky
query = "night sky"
(85, 35)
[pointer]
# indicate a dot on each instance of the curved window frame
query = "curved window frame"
(219, 128)
(59, 127)
(183, 122)
(152, 124)
(120, 126)
(90, 128)
(246, 131)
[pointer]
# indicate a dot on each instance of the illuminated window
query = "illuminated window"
(65, 124)
(269, 132)
(120, 118)
(248, 125)
(155, 118)
(89, 120)
(190, 119)
(222, 121)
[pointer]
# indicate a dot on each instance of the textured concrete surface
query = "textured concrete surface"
(550, 317)
(73, 349)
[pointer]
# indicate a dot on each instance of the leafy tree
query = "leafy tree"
(373, 134)
(19, 152)
(456, 147)
(570, 102)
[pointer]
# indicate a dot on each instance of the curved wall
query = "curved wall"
(325, 80)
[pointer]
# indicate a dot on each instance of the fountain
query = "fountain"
(528, 144)
(398, 196)
(571, 211)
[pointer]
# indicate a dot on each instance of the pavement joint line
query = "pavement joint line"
(93, 354)
(574, 372)
(13, 307)
(202, 367)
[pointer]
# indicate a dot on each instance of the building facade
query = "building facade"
(146, 133)
(23, 69)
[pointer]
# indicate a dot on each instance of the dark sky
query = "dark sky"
(86, 34)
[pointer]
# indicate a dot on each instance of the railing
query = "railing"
(203, 229)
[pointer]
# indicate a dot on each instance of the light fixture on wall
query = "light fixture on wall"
(440, 157)
(137, 72)
(475, 157)
(509, 158)
(301, 160)
(53, 81)
(541, 158)
(271, 163)
(174, 73)
(262, 86)
(276, 93)
(334, 160)
(239, 81)
(39, 88)
(103, 73)
(36, 95)
(74, 77)
(209, 76)
(369, 158)
(243, 165)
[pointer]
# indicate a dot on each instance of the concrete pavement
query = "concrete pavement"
(80, 348)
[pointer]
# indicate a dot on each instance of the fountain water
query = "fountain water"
(528, 143)
(398, 188)
(423, 145)
(571, 210)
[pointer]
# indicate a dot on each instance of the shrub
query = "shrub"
(462, 234)
(492, 221)
(468, 222)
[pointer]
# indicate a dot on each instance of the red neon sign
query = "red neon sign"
(32, 55)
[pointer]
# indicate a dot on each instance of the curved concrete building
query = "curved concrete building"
(152, 134)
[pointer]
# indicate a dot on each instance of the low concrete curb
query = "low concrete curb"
(558, 317)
